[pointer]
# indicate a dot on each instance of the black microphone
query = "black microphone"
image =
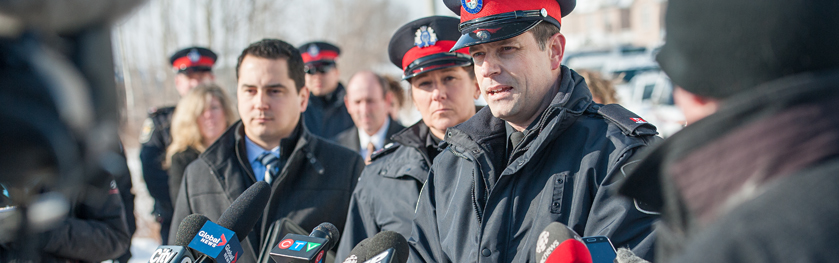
(220, 242)
(384, 247)
(243, 213)
(552, 237)
(312, 248)
(359, 252)
(178, 252)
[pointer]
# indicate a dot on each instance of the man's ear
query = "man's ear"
(556, 48)
(389, 98)
(477, 90)
(303, 94)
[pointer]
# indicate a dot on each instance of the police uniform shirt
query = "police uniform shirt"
(432, 145)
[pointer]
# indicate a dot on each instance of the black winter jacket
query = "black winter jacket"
(479, 207)
(387, 191)
(327, 117)
(314, 186)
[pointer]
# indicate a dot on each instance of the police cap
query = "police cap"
(193, 58)
(319, 52)
(484, 21)
(424, 45)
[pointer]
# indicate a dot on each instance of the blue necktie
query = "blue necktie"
(271, 165)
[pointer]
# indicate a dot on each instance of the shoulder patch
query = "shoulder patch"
(148, 129)
(388, 148)
(630, 123)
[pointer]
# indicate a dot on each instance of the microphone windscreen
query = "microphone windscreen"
(330, 231)
(550, 238)
(189, 228)
(359, 253)
(243, 213)
(570, 251)
(389, 239)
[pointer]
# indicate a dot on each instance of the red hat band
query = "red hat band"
(442, 46)
(473, 9)
(321, 55)
(186, 62)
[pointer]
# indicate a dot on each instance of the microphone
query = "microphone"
(178, 253)
(384, 247)
(243, 213)
(299, 248)
(359, 252)
(570, 251)
(559, 243)
(221, 242)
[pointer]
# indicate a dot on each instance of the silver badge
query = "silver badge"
(483, 35)
(425, 37)
(193, 55)
(313, 50)
(544, 12)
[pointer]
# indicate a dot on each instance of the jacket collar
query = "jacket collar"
(571, 94)
(331, 100)
(231, 147)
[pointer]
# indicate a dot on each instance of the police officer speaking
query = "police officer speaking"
(541, 152)
(193, 66)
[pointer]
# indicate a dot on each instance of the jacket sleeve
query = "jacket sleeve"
(621, 218)
(424, 243)
(151, 157)
(361, 222)
(176, 173)
(182, 205)
(97, 231)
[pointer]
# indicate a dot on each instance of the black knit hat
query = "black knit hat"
(717, 48)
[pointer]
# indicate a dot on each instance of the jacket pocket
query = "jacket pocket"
(559, 181)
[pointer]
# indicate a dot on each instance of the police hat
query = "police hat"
(424, 45)
(318, 52)
(193, 58)
(484, 21)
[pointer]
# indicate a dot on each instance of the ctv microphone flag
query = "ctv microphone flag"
(299, 248)
(217, 242)
(312, 248)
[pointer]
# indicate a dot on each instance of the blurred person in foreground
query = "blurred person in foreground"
(541, 151)
(602, 90)
(443, 88)
(326, 116)
(200, 118)
(193, 66)
(368, 101)
(756, 181)
(311, 179)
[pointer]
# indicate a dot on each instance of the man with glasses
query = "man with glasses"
(326, 115)
(193, 66)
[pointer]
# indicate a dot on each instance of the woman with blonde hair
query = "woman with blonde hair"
(602, 89)
(199, 119)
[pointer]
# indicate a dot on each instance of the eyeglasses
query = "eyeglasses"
(320, 68)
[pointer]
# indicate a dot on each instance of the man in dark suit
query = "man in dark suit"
(367, 102)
